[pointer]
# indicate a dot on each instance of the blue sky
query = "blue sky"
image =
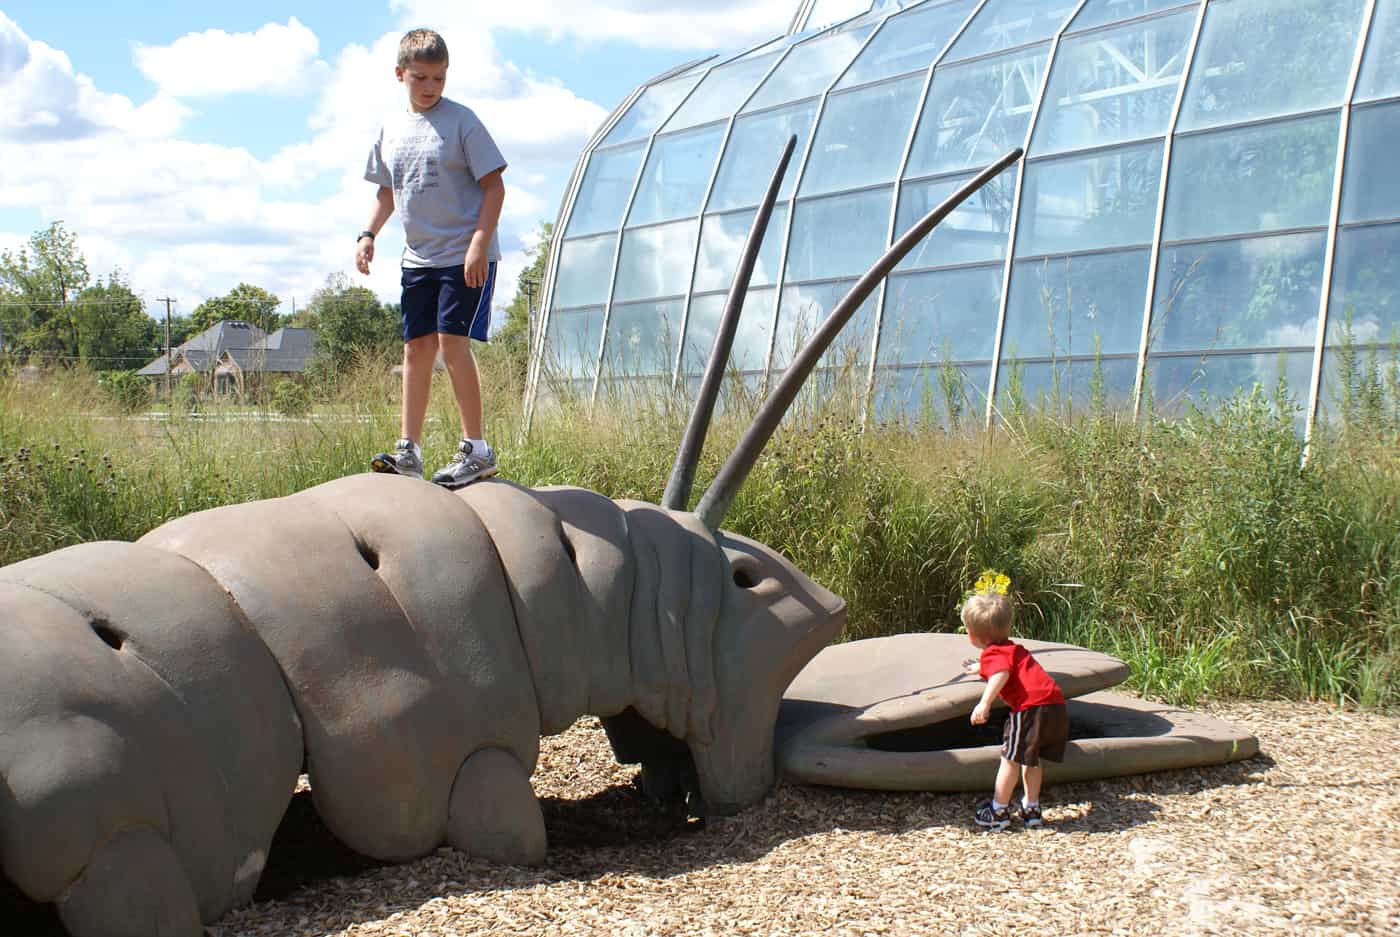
(194, 147)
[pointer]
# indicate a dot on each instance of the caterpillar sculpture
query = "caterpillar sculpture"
(404, 645)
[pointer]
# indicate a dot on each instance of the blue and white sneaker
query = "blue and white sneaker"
(989, 817)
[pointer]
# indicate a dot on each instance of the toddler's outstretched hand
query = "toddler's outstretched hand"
(972, 667)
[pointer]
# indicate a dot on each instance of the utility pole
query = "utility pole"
(169, 394)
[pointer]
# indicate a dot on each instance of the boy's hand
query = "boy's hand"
(981, 713)
(972, 667)
(475, 267)
(364, 253)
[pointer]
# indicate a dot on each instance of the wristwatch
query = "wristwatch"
(364, 234)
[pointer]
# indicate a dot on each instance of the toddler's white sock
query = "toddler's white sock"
(996, 806)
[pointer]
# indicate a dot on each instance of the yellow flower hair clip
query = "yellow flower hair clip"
(990, 582)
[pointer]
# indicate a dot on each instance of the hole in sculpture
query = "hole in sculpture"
(367, 553)
(1100, 721)
(569, 549)
(109, 635)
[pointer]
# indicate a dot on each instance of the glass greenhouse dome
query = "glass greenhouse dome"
(1203, 204)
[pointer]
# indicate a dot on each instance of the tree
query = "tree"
(38, 285)
(348, 320)
(513, 339)
(114, 332)
(245, 303)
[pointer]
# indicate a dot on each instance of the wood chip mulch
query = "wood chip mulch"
(1303, 839)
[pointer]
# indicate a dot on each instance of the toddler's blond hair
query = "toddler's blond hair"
(987, 615)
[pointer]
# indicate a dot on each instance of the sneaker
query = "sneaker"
(992, 819)
(466, 467)
(402, 461)
(1030, 816)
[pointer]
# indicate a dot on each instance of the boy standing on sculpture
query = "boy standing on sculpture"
(438, 165)
(1038, 725)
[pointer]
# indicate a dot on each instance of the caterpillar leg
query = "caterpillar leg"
(493, 812)
(133, 887)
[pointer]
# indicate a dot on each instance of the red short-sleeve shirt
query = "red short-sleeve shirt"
(1029, 685)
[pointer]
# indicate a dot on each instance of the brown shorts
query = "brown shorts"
(1036, 733)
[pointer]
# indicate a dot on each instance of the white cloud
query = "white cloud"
(43, 99)
(670, 24)
(215, 62)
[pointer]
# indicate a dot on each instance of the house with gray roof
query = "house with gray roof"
(231, 353)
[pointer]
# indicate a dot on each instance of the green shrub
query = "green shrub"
(290, 398)
(127, 390)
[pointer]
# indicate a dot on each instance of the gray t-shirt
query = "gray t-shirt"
(432, 161)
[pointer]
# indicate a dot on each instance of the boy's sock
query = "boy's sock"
(1028, 804)
(479, 445)
(996, 807)
(416, 451)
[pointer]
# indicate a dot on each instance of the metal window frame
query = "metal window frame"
(1153, 264)
(899, 180)
(1016, 216)
(778, 279)
(1334, 223)
(705, 204)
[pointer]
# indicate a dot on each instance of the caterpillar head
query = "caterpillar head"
(773, 621)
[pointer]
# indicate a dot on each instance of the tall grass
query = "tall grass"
(1196, 549)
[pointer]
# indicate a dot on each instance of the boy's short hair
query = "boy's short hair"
(988, 616)
(424, 45)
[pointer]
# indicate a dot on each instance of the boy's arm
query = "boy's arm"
(984, 706)
(493, 190)
(364, 246)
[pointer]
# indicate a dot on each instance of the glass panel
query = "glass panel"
(1066, 387)
(1085, 305)
(976, 231)
(678, 171)
(975, 113)
(750, 351)
(642, 338)
(861, 137)
(649, 110)
(607, 184)
(1116, 85)
(948, 396)
(722, 240)
(948, 315)
(804, 308)
(809, 68)
(1256, 179)
(1365, 303)
(1004, 24)
(1258, 292)
(571, 348)
(721, 93)
(1176, 382)
(827, 12)
(1263, 58)
(585, 268)
(1102, 12)
(1083, 203)
(908, 41)
(754, 147)
(1380, 69)
(839, 235)
(655, 261)
(1370, 189)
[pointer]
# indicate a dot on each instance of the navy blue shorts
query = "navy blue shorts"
(437, 299)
